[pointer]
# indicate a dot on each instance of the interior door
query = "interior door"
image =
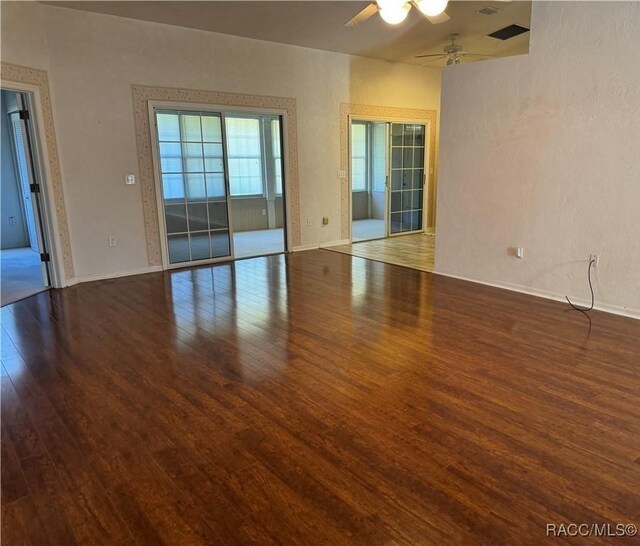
(406, 202)
(30, 183)
(22, 168)
(195, 185)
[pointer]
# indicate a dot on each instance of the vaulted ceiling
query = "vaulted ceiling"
(320, 25)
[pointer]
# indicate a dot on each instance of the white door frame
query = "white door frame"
(43, 176)
(223, 111)
(427, 167)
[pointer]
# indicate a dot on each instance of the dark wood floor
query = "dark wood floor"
(313, 399)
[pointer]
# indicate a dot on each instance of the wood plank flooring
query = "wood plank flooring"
(315, 398)
(415, 251)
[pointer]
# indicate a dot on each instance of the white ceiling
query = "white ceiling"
(320, 25)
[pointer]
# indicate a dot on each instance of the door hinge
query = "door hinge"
(24, 114)
(44, 257)
(35, 188)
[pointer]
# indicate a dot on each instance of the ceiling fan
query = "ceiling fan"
(396, 11)
(452, 52)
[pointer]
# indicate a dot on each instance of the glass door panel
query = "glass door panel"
(194, 193)
(407, 177)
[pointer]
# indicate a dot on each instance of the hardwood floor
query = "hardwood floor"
(316, 398)
(415, 251)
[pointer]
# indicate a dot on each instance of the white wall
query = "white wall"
(94, 59)
(542, 151)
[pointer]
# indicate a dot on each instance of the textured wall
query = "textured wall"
(541, 151)
(93, 60)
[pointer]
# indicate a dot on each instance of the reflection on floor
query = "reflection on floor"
(415, 251)
(20, 274)
(258, 243)
(364, 230)
(316, 399)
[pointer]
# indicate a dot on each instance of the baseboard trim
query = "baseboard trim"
(304, 247)
(335, 243)
(126, 273)
(613, 309)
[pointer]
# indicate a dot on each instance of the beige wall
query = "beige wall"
(94, 59)
(541, 151)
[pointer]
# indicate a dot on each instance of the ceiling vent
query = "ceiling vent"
(488, 10)
(508, 32)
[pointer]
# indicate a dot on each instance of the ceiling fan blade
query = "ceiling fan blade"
(363, 15)
(437, 19)
(438, 58)
(431, 55)
(476, 54)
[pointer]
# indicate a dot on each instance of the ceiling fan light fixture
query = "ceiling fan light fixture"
(393, 11)
(431, 8)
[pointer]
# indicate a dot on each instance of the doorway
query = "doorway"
(368, 180)
(220, 185)
(24, 246)
(387, 177)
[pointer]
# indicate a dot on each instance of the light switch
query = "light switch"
(130, 179)
(342, 174)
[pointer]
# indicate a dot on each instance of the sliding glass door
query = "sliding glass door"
(407, 178)
(194, 185)
(387, 178)
(221, 193)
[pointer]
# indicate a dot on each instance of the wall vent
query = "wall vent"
(488, 10)
(508, 32)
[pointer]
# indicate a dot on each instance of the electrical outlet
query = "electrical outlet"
(12, 220)
(264, 212)
(595, 258)
(309, 222)
(112, 241)
(130, 179)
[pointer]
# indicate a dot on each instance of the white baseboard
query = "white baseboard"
(613, 309)
(304, 247)
(335, 243)
(126, 273)
(320, 245)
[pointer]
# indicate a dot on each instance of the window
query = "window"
(245, 157)
(358, 157)
(190, 149)
(276, 151)
(191, 155)
(378, 156)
